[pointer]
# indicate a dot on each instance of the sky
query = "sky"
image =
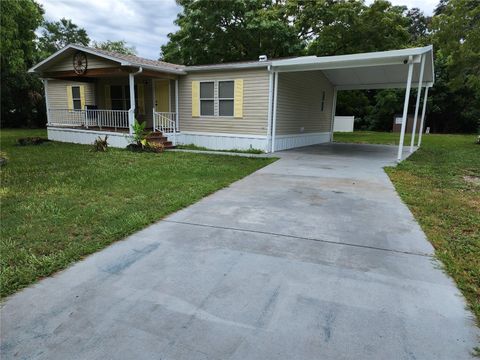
(143, 24)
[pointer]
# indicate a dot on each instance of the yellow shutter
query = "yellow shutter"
(195, 98)
(108, 100)
(238, 102)
(82, 97)
(141, 99)
(69, 97)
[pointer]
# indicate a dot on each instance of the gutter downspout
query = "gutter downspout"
(131, 111)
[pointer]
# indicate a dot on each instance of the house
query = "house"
(266, 104)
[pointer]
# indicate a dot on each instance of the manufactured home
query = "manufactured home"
(267, 104)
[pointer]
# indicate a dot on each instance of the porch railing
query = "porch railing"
(111, 119)
(166, 122)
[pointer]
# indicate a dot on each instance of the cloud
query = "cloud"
(143, 24)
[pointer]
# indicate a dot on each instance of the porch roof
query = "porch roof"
(121, 59)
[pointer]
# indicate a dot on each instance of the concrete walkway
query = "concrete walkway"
(312, 257)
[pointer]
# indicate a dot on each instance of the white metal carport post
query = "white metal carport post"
(274, 115)
(417, 105)
(420, 130)
(405, 107)
(334, 106)
(131, 111)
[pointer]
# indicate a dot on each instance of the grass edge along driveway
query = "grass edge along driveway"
(61, 202)
(440, 183)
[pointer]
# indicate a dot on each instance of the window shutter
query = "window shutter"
(82, 97)
(195, 98)
(238, 101)
(69, 97)
(141, 99)
(108, 100)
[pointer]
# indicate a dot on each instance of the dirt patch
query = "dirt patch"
(475, 180)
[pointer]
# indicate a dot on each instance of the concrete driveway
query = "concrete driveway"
(312, 257)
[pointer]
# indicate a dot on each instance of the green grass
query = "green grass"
(371, 137)
(441, 185)
(61, 202)
(201, 148)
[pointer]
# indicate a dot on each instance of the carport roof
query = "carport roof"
(375, 70)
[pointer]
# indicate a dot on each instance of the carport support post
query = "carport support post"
(417, 105)
(420, 130)
(269, 122)
(274, 115)
(405, 108)
(334, 107)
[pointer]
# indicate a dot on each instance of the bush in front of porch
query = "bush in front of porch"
(61, 202)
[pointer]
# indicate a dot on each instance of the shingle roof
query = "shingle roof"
(137, 60)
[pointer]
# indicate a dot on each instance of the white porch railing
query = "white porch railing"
(112, 119)
(166, 122)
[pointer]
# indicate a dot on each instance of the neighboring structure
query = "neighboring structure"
(267, 104)
(343, 123)
(397, 123)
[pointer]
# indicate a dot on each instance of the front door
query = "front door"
(162, 95)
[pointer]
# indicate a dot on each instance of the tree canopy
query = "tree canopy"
(58, 34)
(119, 46)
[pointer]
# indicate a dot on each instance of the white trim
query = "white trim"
(87, 137)
(47, 105)
(223, 141)
(177, 124)
(274, 115)
(269, 116)
(378, 86)
(420, 130)
(224, 134)
(405, 111)
(417, 104)
(291, 141)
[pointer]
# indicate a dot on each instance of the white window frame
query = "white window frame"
(209, 99)
(322, 103)
(76, 99)
(231, 99)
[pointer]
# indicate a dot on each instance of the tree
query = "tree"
(418, 27)
(119, 46)
(21, 100)
(58, 34)
(221, 31)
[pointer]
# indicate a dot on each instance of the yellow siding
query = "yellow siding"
(60, 92)
(255, 103)
(299, 103)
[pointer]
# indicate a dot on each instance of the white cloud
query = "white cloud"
(141, 23)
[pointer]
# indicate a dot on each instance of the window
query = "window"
(76, 98)
(120, 97)
(323, 100)
(225, 98)
(207, 98)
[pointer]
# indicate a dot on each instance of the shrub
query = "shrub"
(100, 144)
(31, 140)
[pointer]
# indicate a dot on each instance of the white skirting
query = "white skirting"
(283, 142)
(219, 141)
(80, 136)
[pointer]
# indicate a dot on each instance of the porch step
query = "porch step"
(158, 138)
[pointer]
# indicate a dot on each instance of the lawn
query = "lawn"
(61, 202)
(441, 185)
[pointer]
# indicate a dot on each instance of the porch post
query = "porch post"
(274, 115)
(420, 130)
(131, 111)
(269, 115)
(334, 107)
(45, 86)
(176, 104)
(417, 105)
(405, 108)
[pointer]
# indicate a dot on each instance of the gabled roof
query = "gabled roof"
(122, 59)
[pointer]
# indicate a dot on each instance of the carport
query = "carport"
(377, 70)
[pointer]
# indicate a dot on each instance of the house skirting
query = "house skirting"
(80, 136)
(283, 142)
(220, 141)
